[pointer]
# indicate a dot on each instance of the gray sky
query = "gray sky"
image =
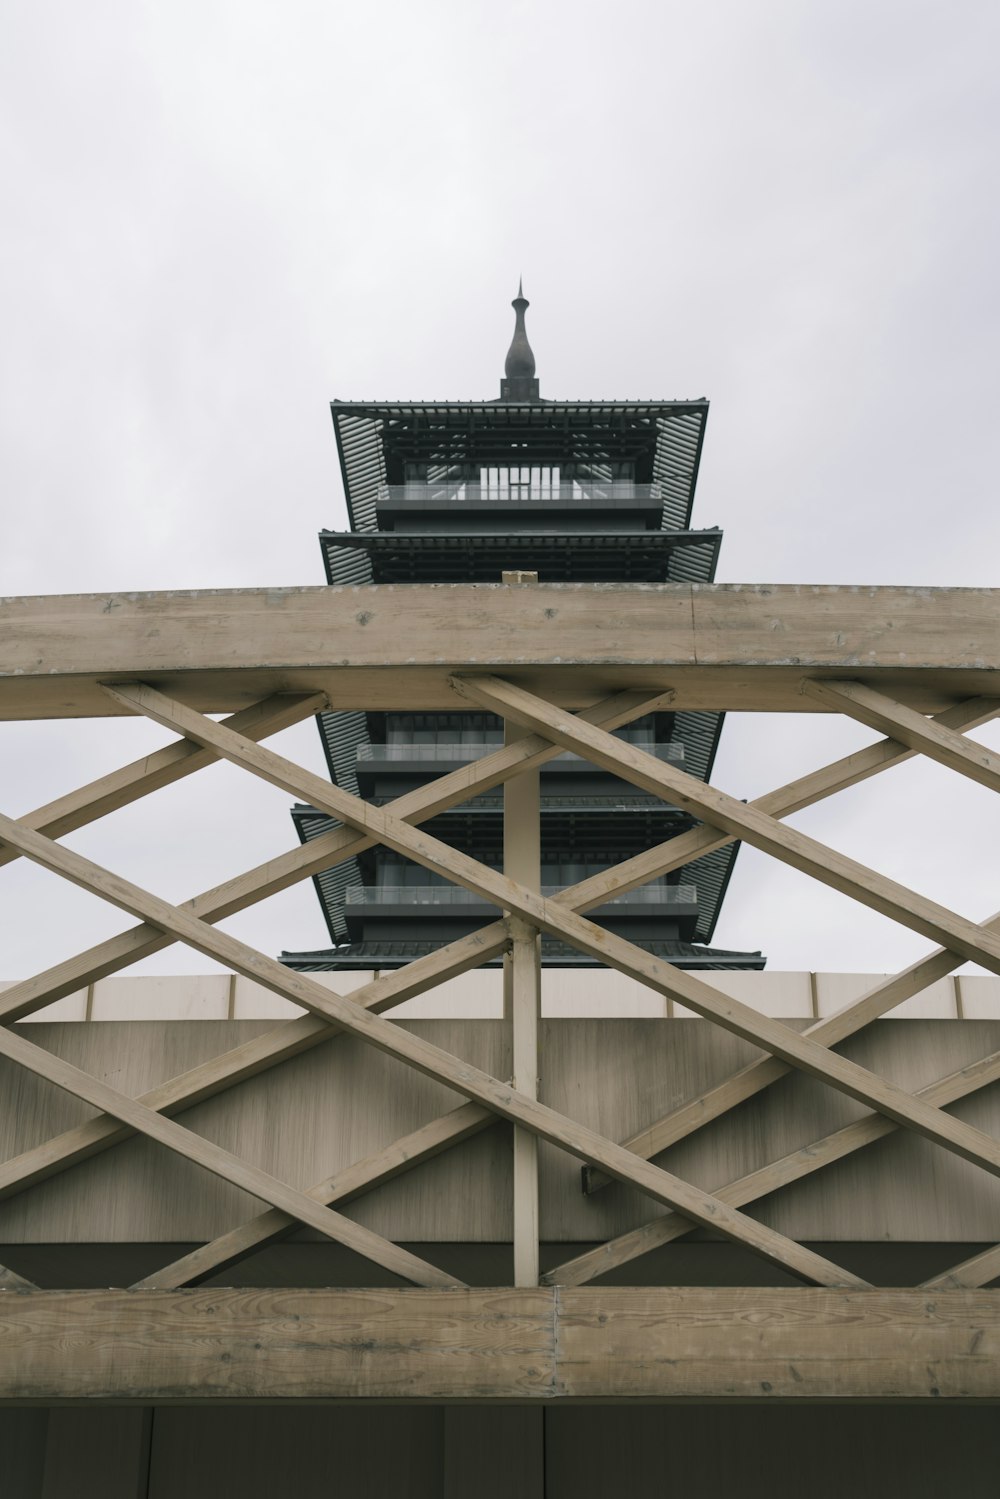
(218, 216)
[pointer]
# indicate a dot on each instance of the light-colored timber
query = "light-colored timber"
(503, 1345)
(402, 1155)
(523, 1002)
(212, 1157)
(771, 1178)
(806, 854)
(912, 729)
(754, 1078)
(471, 1082)
(76, 1144)
(162, 768)
(739, 646)
(973, 1144)
(301, 863)
(271, 657)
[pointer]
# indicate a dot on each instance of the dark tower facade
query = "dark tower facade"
(459, 492)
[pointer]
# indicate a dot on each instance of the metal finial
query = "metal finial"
(520, 364)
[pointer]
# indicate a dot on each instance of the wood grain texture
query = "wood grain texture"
(765, 832)
(606, 1073)
(212, 1157)
(386, 646)
(712, 1103)
(475, 1085)
(161, 768)
(402, 1155)
(810, 1158)
(516, 1345)
(592, 1148)
(303, 862)
(935, 740)
(805, 791)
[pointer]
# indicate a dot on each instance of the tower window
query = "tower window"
(520, 482)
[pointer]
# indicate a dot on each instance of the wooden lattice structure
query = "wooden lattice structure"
(563, 666)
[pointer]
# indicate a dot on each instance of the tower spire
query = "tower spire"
(519, 383)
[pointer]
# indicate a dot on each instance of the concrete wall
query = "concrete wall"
(343, 1101)
(477, 995)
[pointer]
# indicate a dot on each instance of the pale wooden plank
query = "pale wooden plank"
(431, 1060)
(301, 863)
(241, 1062)
(343, 1186)
(11, 1281)
(978, 1270)
(756, 1076)
(161, 768)
(778, 1039)
(887, 716)
(806, 791)
(789, 845)
(720, 1342)
(522, 862)
(515, 1346)
(221, 1162)
(277, 874)
(772, 1177)
(719, 646)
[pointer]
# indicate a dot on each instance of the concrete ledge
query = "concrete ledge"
(581, 993)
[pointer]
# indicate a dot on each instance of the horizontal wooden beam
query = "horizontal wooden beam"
(386, 646)
(544, 1345)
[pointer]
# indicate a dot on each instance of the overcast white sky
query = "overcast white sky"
(218, 216)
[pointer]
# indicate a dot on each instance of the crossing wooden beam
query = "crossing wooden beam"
(935, 740)
(434, 1062)
(453, 865)
(813, 1157)
(765, 832)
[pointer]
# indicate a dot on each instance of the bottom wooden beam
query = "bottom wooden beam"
(611, 1345)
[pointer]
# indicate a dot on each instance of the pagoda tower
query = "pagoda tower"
(461, 492)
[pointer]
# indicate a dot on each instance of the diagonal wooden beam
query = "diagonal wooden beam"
(162, 768)
(205, 1153)
(11, 1281)
(478, 1086)
(227, 1069)
(787, 844)
(343, 1186)
(758, 1075)
(785, 800)
(934, 740)
(777, 1174)
(780, 1040)
(313, 858)
(321, 853)
(807, 790)
(288, 1039)
(977, 1271)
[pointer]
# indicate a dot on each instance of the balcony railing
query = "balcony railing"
(456, 753)
(600, 494)
(455, 895)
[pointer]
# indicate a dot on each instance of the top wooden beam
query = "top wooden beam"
(717, 646)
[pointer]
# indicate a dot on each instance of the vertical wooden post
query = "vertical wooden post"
(522, 1003)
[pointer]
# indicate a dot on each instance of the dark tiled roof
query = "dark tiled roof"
(555, 954)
